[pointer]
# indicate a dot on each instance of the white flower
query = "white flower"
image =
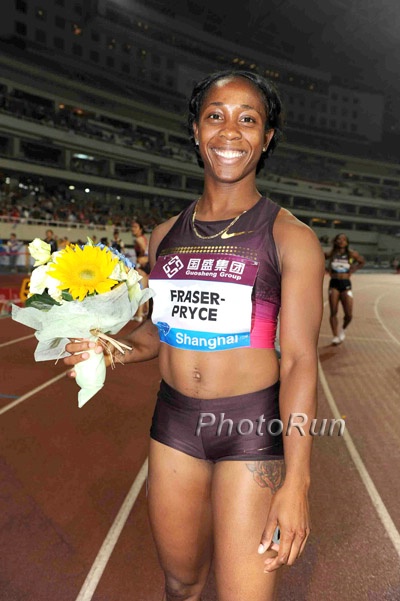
(119, 272)
(55, 292)
(40, 280)
(131, 278)
(134, 287)
(40, 251)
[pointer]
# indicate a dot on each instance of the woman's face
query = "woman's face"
(231, 129)
(136, 229)
(341, 241)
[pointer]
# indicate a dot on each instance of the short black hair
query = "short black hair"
(269, 93)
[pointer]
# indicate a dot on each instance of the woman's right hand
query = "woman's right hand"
(141, 344)
(78, 349)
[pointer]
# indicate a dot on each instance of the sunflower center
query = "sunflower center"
(87, 274)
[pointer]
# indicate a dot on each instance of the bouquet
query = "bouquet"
(83, 291)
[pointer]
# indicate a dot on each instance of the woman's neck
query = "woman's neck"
(224, 204)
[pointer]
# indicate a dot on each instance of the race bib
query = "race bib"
(203, 303)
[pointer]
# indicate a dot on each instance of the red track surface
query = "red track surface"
(65, 472)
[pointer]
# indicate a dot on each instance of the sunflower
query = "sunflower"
(84, 271)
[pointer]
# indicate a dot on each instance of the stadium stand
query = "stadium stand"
(84, 150)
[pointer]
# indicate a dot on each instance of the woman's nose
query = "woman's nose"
(230, 131)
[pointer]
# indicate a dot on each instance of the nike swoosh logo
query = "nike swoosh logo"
(225, 235)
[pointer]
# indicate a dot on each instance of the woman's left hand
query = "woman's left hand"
(289, 510)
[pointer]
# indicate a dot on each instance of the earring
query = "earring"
(196, 142)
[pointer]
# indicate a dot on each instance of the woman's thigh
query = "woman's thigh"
(346, 298)
(242, 494)
(179, 501)
(334, 296)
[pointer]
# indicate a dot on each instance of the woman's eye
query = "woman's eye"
(248, 119)
(214, 116)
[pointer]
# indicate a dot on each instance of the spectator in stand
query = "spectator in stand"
(3, 255)
(117, 242)
(63, 243)
(13, 248)
(51, 239)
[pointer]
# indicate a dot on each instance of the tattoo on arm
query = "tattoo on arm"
(268, 474)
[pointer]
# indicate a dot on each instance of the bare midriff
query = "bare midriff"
(217, 374)
(340, 276)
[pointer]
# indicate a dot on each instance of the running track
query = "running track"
(73, 522)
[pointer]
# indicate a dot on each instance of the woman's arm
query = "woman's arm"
(303, 266)
(358, 261)
(141, 243)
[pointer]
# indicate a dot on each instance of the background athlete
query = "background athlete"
(342, 262)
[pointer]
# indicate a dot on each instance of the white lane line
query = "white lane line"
(376, 499)
(362, 338)
(326, 302)
(99, 565)
(23, 398)
(15, 340)
(380, 319)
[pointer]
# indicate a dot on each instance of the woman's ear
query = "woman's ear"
(196, 133)
(267, 138)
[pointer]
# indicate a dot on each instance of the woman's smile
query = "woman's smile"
(229, 154)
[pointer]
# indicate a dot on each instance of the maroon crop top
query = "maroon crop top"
(250, 237)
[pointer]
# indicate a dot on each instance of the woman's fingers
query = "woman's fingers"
(267, 536)
(78, 350)
(290, 548)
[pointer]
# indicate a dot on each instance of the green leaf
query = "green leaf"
(43, 301)
(66, 296)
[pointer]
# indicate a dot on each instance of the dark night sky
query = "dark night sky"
(358, 41)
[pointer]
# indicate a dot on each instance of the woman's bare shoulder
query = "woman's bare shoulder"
(159, 232)
(292, 236)
(286, 224)
(163, 228)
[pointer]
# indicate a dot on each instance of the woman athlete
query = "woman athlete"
(226, 465)
(142, 264)
(343, 261)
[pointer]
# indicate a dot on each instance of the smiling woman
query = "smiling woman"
(267, 109)
(222, 272)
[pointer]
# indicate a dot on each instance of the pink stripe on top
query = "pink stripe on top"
(264, 320)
